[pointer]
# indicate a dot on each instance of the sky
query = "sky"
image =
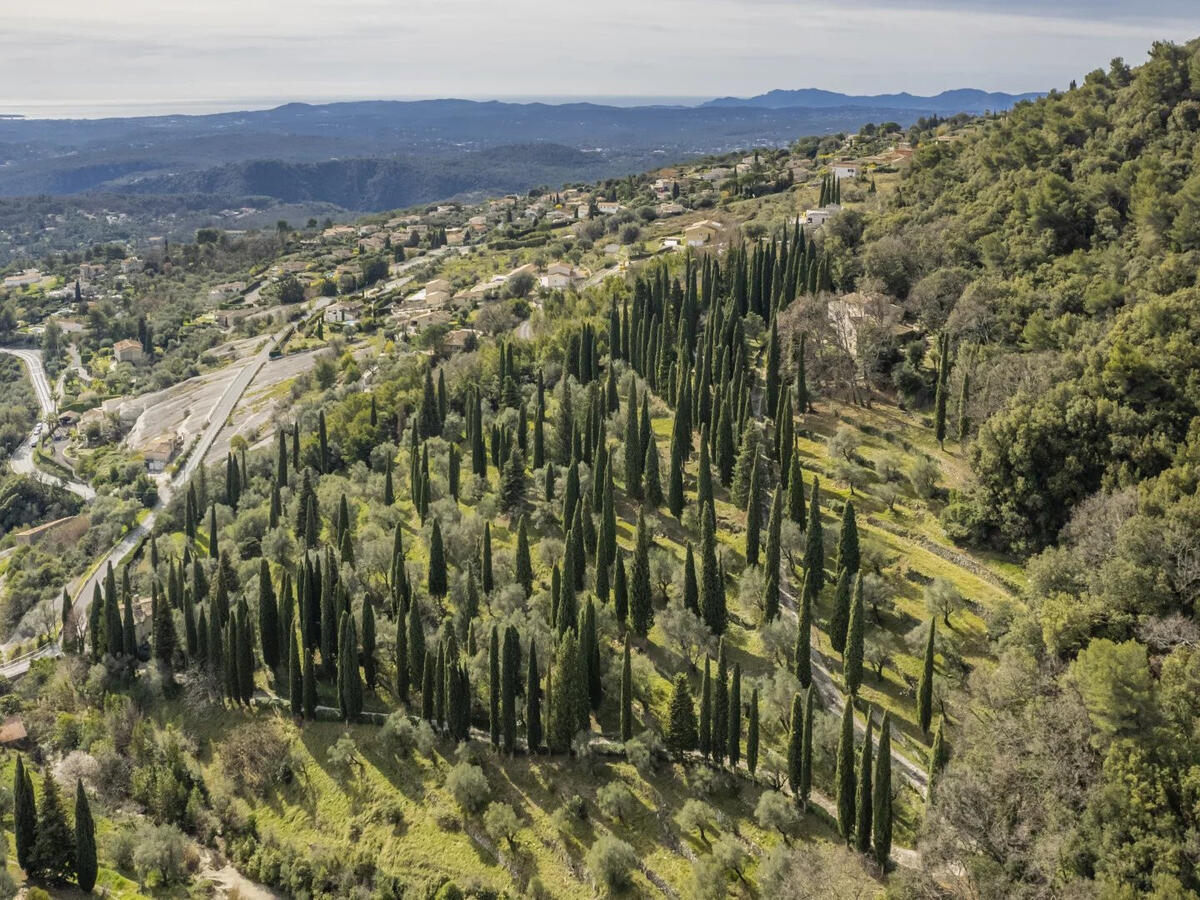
(120, 57)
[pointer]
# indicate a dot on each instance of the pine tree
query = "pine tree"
(533, 702)
(54, 845)
(626, 695)
(86, 867)
(863, 794)
(925, 687)
(437, 562)
(641, 611)
(752, 734)
(681, 722)
(852, 659)
(24, 816)
(844, 780)
(881, 801)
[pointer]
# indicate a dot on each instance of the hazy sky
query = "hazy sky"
(82, 57)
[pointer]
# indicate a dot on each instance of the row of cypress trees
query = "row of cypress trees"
(47, 846)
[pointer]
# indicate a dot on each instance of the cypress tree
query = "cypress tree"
(795, 503)
(494, 687)
(437, 562)
(734, 749)
(681, 722)
(268, 617)
(814, 548)
(774, 552)
(163, 628)
(806, 745)
(566, 694)
(485, 559)
(54, 844)
(803, 654)
(322, 442)
(428, 690)
(925, 687)
(752, 734)
(403, 677)
(589, 650)
(795, 747)
(652, 483)
(691, 588)
(964, 421)
(621, 592)
(939, 401)
(510, 674)
(719, 741)
(213, 546)
(429, 421)
(852, 659)
(863, 794)
(881, 801)
(128, 632)
(86, 867)
(753, 518)
(640, 606)
(295, 678)
(712, 599)
(533, 702)
(844, 781)
(704, 733)
(416, 643)
(523, 563)
(67, 626)
(847, 553)
(675, 475)
(626, 695)
(310, 685)
(245, 655)
(839, 619)
(369, 666)
(939, 754)
(634, 452)
(24, 816)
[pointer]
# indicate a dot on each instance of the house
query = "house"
(131, 266)
(455, 237)
(560, 275)
(24, 279)
(670, 208)
(13, 734)
(527, 269)
(346, 312)
(702, 232)
(60, 532)
(853, 314)
(844, 169)
(128, 351)
(220, 292)
(583, 211)
(818, 217)
(160, 453)
(461, 339)
(437, 298)
(438, 284)
(607, 207)
(227, 318)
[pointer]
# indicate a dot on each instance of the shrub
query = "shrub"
(469, 787)
(500, 822)
(256, 756)
(616, 801)
(776, 812)
(611, 860)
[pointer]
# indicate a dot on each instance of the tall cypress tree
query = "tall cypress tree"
(852, 660)
(720, 711)
(752, 734)
(651, 480)
(485, 559)
(964, 419)
(939, 400)
(843, 779)
(753, 518)
(847, 551)
(704, 732)
(734, 748)
(712, 596)
(621, 592)
(839, 618)
(24, 816)
(802, 659)
(806, 745)
(350, 697)
(863, 794)
(510, 674)
(295, 678)
(369, 666)
(626, 695)
(795, 746)
(814, 545)
(310, 685)
(416, 643)
(86, 867)
(268, 617)
(494, 686)
(566, 694)
(523, 563)
(925, 687)
(436, 580)
(795, 501)
(641, 610)
(533, 702)
(881, 801)
(939, 754)
(681, 722)
(54, 845)
(403, 675)
(213, 545)
(774, 553)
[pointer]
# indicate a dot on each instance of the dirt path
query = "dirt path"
(229, 882)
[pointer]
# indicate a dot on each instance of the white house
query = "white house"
(700, 233)
(818, 217)
(844, 169)
(607, 207)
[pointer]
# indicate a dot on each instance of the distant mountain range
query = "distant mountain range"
(947, 103)
(373, 155)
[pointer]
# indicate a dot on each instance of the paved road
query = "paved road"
(21, 460)
(167, 485)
